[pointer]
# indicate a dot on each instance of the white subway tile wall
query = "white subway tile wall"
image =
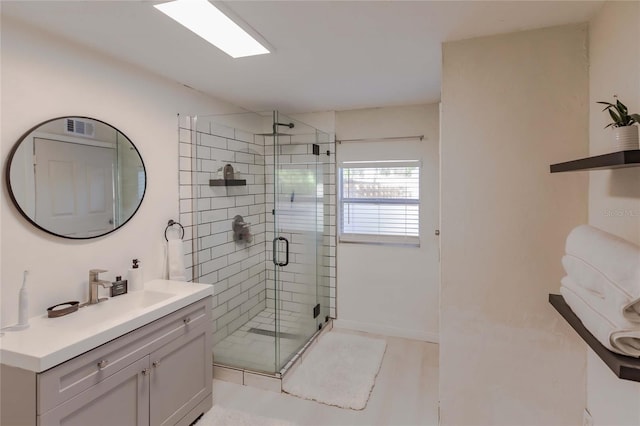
(242, 272)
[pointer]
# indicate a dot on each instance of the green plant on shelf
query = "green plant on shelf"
(620, 114)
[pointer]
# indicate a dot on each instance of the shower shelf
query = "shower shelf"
(227, 182)
(624, 367)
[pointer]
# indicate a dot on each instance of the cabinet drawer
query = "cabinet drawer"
(79, 374)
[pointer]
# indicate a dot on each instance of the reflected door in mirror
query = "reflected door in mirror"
(75, 187)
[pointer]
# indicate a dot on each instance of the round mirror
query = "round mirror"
(76, 177)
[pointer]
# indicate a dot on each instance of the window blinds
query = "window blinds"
(380, 201)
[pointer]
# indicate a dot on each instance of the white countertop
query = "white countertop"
(51, 341)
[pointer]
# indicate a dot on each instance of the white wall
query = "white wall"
(323, 120)
(390, 289)
(511, 105)
(45, 77)
(614, 195)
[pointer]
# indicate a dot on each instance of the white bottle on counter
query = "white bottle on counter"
(135, 277)
(23, 305)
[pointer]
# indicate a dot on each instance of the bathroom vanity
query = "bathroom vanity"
(143, 358)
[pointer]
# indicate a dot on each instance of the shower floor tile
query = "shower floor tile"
(253, 351)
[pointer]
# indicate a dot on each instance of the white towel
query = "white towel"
(175, 260)
(611, 329)
(617, 259)
(589, 278)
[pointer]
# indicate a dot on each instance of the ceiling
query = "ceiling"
(329, 55)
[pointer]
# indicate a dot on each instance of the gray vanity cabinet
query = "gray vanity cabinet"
(158, 374)
(121, 399)
(159, 389)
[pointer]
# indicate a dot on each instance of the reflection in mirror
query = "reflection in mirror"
(76, 177)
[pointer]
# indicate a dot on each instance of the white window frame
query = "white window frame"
(404, 240)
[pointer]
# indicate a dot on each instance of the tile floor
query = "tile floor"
(405, 394)
(253, 351)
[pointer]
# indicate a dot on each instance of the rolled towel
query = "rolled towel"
(589, 278)
(617, 259)
(615, 333)
(175, 260)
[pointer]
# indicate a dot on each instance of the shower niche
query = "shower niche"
(227, 178)
(266, 243)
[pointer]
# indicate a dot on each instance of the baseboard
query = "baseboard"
(386, 330)
(199, 410)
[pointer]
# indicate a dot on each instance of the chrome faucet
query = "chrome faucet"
(94, 282)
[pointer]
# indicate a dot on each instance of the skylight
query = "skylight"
(207, 21)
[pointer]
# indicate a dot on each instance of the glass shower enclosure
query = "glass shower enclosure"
(256, 198)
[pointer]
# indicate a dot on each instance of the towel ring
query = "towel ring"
(169, 225)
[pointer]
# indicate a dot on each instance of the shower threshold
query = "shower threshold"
(261, 379)
(272, 333)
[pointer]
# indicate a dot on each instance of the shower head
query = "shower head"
(275, 128)
(276, 132)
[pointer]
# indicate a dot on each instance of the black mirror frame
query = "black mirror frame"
(25, 216)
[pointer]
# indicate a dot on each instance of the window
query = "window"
(379, 202)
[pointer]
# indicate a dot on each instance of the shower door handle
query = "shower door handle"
(275, 251)
(286, 244)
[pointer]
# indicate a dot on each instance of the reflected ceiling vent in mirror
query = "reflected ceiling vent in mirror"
(81, 128)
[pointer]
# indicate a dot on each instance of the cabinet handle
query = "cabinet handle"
(187, 320)
(102, 364)
(145, 371)
(156, 363)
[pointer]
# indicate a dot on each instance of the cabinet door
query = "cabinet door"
(181, 376)
(122, 399)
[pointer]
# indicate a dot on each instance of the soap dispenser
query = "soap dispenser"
(136, 281)
(119, 286)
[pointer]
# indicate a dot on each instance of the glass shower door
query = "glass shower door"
(298, 236)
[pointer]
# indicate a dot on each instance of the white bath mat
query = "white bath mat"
(340, 370)
(221, 416)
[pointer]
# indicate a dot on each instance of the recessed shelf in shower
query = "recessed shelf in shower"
(227, 182)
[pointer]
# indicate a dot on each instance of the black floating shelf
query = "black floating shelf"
(614, 160)
(625, 367)
(227, 182)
